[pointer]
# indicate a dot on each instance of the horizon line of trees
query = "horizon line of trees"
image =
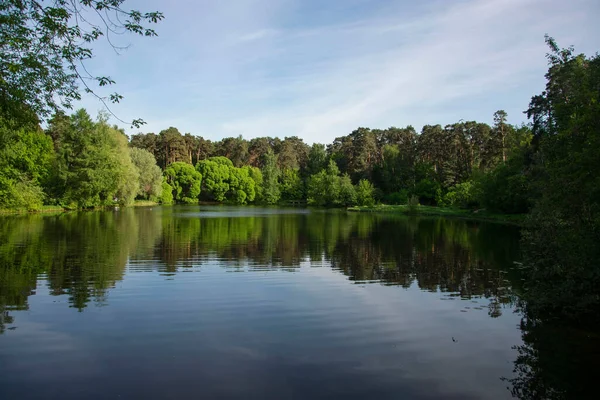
(80, 163)
(447, 166)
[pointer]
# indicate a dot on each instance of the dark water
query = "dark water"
(222, 302)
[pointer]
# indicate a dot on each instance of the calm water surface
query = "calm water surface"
(225, 302)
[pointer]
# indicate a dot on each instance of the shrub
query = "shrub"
(413, 204)
(364, 193)
(166, 195)
(400, 197)
(427, 191)
(464, 195)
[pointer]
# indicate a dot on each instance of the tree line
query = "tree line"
(448, 165)
(80, 163)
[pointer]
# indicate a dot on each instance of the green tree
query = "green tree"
(241, 186)
(324, 187)
(463, 195)
(501, 131)
(561, 244)
(93, 164)
(235, 149)
(172, 147)
(185, 181)
(150, 176)
(146, 141)
(45, 47)
(347, 196)
(427, 191)
(216, 173)
(257, 177)
(257, 148)
(166, 194)
(128, 176)
(292, 187)
(293, 153)
(506, 188)
(396, 170)
(270, 173)
(26, 159)
(317, 159)
(364, 193)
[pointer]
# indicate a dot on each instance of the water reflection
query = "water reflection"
(557, 363)
(84, 256)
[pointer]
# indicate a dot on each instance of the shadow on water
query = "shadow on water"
(84, 255)
(554, 362)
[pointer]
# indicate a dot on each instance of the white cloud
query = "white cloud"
(256, 35)
(262, 67)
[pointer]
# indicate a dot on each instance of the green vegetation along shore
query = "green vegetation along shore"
(482, 215)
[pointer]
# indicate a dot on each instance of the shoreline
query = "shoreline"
(480, 215)
(60, 210)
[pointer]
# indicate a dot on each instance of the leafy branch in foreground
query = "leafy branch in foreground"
(43, 50)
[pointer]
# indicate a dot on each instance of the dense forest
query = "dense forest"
(448, 165)
(80, 163)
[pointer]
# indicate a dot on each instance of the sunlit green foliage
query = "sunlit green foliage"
(216, 174)
(347, 194)
(185, 181)
(93, 164)
(166, 194)
(150, 176)
(256, 175)
(224, 182)
(463, 195)
(317, 159)
(364, 193)
(271, 192)
(241, 186)
(292, 187)
(26, 159)
(45, 46)
(329, 188)
(324, 188)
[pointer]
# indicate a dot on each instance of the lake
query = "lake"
(249, 302)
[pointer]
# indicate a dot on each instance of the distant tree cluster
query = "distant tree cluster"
(77, 162)
(464, 164)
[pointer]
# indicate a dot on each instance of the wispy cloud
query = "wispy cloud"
(255, 35)
(270, 67)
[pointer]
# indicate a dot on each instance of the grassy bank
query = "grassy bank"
(59, 209)
(444, 212)
(44, 209)
(144, 203)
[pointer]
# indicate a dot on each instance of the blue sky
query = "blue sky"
(319, 69)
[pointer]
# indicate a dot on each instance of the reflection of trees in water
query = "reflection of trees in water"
(83, 254)
(453, 256)
(90, 251)
(555, 362)
(437, 254)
